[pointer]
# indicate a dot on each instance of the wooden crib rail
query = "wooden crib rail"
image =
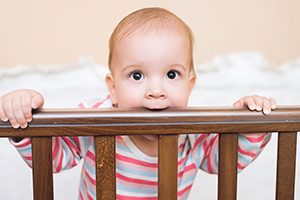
(104, 124)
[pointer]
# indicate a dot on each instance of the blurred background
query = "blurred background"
(52, 31)
(60, 48)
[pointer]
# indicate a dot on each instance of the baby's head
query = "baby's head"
(151, 61)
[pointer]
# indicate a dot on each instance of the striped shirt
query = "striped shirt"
(136, 172)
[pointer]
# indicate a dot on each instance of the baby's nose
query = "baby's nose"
(156, 93)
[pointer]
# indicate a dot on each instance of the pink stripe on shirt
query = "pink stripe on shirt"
(134, 180)
(135, 161)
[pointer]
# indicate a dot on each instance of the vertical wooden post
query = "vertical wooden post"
(286, 164)
(227, 178)
(42, 168)
(167, 167)
(105, 167)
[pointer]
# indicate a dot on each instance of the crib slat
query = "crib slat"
(105, 167)
(42, 168)
(227, 178)
(286, 164)
(167, 167)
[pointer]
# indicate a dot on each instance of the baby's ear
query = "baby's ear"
(110, 84)
(192, 81)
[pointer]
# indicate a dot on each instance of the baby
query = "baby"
(151, 66)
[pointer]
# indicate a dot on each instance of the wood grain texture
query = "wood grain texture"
(42, 168)
(95, 122)
(286, 164)
(167, 167)
(227, 178)
(105, 168)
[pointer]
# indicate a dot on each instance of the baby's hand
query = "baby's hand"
(255, 102)
(17, 107)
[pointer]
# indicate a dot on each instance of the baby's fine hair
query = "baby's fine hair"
(145, 19)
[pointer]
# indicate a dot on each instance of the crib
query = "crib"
(104, 124)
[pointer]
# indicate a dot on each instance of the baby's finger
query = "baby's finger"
(273, 103)
(239, 103)
(267, 106)
(18, 112)
(26, 107)
(2, 114)
(37, 100)
(249, 101)
(259, 102)
(8, 109)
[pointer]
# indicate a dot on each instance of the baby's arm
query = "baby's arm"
(66, 151)
(205, 147)
(256, 103)
(16, 107)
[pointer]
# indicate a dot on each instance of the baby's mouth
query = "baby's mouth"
(157, 109)
(156, 105)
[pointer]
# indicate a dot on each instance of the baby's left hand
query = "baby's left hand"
(258, 103)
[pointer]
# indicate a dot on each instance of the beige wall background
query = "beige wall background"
(60, 31)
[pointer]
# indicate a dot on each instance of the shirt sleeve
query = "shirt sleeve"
(205, 149)
(66, 151)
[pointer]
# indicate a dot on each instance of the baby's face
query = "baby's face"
(151, 70)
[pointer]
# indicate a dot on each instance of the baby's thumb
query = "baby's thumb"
(238, 104)
(37, 100)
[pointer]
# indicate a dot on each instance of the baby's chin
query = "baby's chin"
(151, 137)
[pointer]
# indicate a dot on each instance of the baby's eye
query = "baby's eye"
(172, 74)
(136, 75)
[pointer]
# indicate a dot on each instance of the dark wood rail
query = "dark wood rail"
(172, 121)
(104, 124)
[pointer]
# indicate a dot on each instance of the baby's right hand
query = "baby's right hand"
(17, 107)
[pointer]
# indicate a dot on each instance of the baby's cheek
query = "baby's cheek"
(129, 100)
(179, 100)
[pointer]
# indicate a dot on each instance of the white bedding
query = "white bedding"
(220, 82)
